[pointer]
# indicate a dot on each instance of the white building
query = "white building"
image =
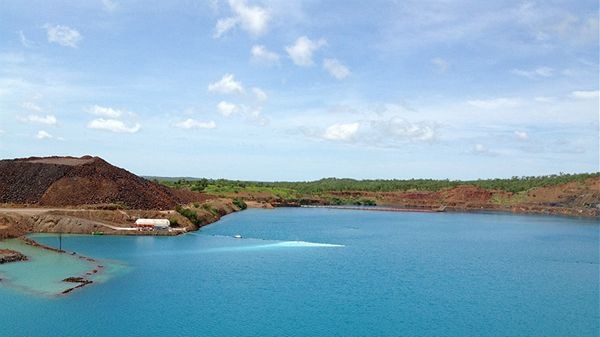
(153, 223)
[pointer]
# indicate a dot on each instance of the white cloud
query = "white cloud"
(223, 26)
(31, 106)
(440, 63)
(195, 124)
(43, 135)
(336, 69)
(496, 103)
(226, 109)
(535, 73)
(252, 19)
(105, 111)
(582, 94)
(109, 5)
(301, 52)
(261, 54)
(48, 119)
(480, 148)
(63, 35)
(544, 99)
(226, 85)
(23, 39)
(260, 95)
(521, 135)
(399, 129)
(113, 125)
(342, 132)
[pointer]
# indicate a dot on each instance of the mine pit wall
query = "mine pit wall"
(13, 225)
(85, 221)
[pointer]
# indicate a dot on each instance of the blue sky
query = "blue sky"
(299, 90)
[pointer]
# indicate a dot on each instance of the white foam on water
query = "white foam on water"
(304, 244)
(273, 245)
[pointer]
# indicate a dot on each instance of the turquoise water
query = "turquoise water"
(317, 272)
(44, 271)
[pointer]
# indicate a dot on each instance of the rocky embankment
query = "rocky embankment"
(7, 255)
(85, 195)
(15, 222)
(72, 181)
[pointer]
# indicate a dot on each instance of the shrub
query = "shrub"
(174, 222)
(190, 214)
(241, 204)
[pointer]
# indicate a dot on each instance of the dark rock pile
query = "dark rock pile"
(70, 181)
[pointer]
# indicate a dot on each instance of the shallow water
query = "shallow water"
(317, 272)
(44, 271)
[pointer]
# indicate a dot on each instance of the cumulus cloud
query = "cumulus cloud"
(252, 19)
(31, 106)
(113, 125)
(496, 103)
(336, 69)
(105, 111)
(63, 35)
(482, 150)
(535, 73)
(341, 132)
(226, 85)
(226, 109)
(260, 53)
(582, 94)
(301, 52)
(43, 135)
(48, 119)
(521, 135)
(260, 95)
(195, 124)
(399, 129)
(223, 26)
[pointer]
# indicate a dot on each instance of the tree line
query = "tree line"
(514, 184)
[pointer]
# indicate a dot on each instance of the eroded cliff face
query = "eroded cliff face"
(13, 225)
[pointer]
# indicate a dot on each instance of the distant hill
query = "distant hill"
(71, 181)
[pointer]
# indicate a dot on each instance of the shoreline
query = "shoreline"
(81, 280)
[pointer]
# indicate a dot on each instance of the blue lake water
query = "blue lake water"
(317, 272)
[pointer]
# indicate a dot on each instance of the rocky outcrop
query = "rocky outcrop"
(13, 225)
(7, 255)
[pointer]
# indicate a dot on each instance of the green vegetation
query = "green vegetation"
(508, 201)
(174, 222)
(339, 200)
(210, 209)
(190, 214)
(292, 191)
(240, 203)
